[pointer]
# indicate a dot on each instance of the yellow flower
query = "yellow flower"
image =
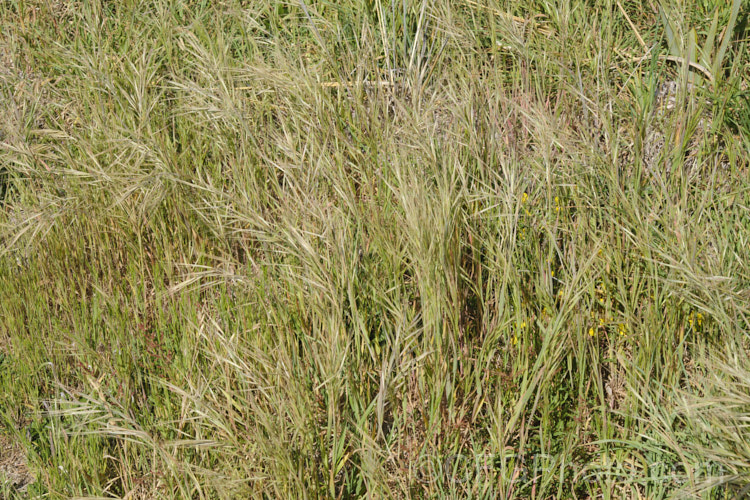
(524, 197)
(695, 319)
(591, 332)
(621, 329)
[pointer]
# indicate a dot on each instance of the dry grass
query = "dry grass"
(406, 249)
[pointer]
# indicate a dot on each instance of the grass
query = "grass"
(372, 249)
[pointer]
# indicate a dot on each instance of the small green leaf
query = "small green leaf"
(692, 45)
(674, 46)
(690, 57)
(725, 38)
(708, 47)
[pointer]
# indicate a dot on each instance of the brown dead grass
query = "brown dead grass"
(13, 469)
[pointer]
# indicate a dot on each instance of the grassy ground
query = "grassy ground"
(387, 249)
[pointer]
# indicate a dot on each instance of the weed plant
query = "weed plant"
(382, 249)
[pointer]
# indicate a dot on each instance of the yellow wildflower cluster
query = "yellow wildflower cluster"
(601, 292)
(622, 329)
(695, 320)
(524, 201)
(520, 326)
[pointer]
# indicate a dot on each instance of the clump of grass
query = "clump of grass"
(405, 249)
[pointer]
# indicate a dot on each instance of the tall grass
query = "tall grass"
(371, 249)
